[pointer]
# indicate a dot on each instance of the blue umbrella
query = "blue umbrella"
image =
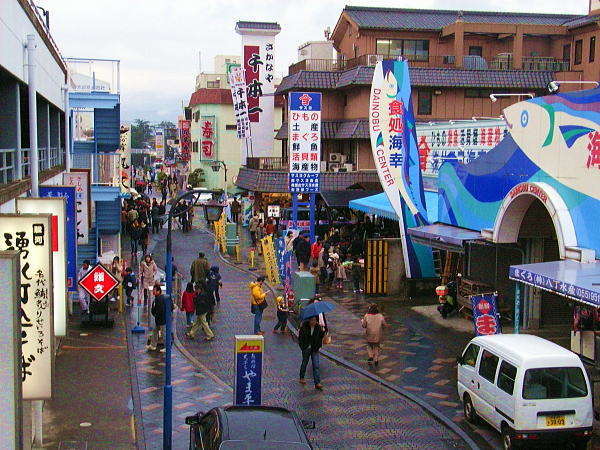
(314, 309)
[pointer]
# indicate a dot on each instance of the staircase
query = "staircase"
(87, 251)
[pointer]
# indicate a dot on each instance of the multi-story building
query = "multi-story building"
(218, 78)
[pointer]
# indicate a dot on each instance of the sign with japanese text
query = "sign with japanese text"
(68, 193)
(81, 181)
(185, 140)
(11, 409)
(486, 318)
(98, 282)
(237, 83)
(458, 142)
(57, 208)
(159, 141)
(268, 248)
(258, 52)
(208, 135)
(304, 120)
(30, 235)
(248, 370)
(273, 211)
(284, 265)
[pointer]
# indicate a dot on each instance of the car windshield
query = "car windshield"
(263, 445)
(554, 382)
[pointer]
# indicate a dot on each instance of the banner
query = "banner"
(185, 140)
(208, 143)
(247, 206)
(248, 370)
(486, 318)
(30, 234)
(81, 181)
(284, 265)
(159, 143)
(393, 142)
(237, 83)
(219, 226)
(268, 249)
(304, 121)
(68, 193)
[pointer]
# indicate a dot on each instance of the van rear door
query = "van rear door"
(504, 394)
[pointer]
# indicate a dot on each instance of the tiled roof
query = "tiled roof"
(581, 21)
(336, 129)
(258, 25)
(306, 79)
(427, 19)
(358, 76)
(220, 97)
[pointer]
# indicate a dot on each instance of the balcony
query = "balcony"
(267, 163)
(94, 75)
(11, 170)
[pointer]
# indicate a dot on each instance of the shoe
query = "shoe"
(150, 348)
(302, 381)
(319, 386)
(163, 350)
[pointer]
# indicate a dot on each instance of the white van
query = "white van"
(528, 388)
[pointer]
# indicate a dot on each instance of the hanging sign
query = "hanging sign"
(268, 249)
(30, 234)
(81, 181)
(237, 83)
(185, 140)
(248, 370)
(98, 282)
(486, 318)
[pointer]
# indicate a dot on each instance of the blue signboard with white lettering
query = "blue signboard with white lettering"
(68, 192)
(248, 370)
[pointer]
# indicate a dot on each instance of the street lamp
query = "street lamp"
(215, 165)
(212, 210)
(195, 195)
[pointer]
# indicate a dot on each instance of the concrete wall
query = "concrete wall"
(316, 50)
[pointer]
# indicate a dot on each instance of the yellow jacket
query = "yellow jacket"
(256, 293)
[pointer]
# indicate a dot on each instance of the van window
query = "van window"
(554, 382)
(470, 355)
(506, 377)
(488, 365)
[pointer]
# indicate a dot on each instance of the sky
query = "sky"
(159, 41)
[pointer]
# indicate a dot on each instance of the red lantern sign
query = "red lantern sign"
(98, 282)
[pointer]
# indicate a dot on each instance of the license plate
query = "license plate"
(555, 421)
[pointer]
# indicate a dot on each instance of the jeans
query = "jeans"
(306, 355)
(189, 318)
(281, 320)
(257, 320)
(134, 246)
(155, 224)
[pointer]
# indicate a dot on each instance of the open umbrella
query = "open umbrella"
(314, 309)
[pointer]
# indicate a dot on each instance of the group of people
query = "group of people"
(140, 217)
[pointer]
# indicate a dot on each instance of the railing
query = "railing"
(314, 65)
(267, 163)
(48, 158)
(94, 75)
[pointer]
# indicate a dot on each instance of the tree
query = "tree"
(141, 133)
(169, 129)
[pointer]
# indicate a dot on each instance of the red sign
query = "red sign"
(98, 282)
(252, 63)
(185, 139)
(529, 188)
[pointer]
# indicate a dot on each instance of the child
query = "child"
(187, 304)
(316, 272)
(339, 274)
(357, 274)
(129, 284)
(282, 315)
(213, 283)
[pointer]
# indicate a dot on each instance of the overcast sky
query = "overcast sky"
(158, 41)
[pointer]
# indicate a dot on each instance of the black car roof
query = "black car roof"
(261, 423)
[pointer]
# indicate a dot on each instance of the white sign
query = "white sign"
(10, 364)
(240, 101)
(30, 235)
(81, 181)
(57, 207)
(273, 211)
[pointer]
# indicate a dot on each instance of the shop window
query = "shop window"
(506, 377)
(411, 49)
(578, 51)
(592, 48)
(475, 50)
(230, 127)
(195, 146)
(477, 93)
(425, 100)
(488, 365)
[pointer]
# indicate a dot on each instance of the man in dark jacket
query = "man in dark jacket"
(310, 340)
(159, 313)
(303, 252)
(204, 305)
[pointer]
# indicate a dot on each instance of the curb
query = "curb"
(140, 435)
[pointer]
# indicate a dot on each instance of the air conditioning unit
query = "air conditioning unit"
(334, 167)
(374, 59)
(337, 158)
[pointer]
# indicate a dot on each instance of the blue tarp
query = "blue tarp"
(381, 206)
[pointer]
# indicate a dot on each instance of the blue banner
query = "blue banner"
(68, 192)
(486, 318)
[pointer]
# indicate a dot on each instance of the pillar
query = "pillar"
(459, 43)
(518, 49)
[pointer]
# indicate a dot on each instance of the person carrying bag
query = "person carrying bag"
(258, 303)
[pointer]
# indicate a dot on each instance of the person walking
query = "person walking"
(310, 340)
(202, 305)
(303, 252)
(373, 323)
(199, 269)
(236, 208)
(158, 312)
(187, 304)
(144, 236)
(282, 315)
(258, 302)
(213, 283)
(155, 215)
(253, 228)
(148, 271)
(129, 284)
(84, 297)
(315, 250)
(356, 272)
(134, 236)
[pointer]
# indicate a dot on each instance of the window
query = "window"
(195, 146)
(567, 52)
(487, 366)
(477, 93)
(230, 127)
(196, 116)
(413, 50)
(470, 355)
(554, 382)
(425, 99)
(213, 84)
(578, 51)
(506, 377)
(475, 50)
(592, 48)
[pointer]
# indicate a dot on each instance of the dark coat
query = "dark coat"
(203, 303)
(158, 310)
(303, 249)
(305, 340)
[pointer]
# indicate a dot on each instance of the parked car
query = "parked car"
(248, 428)
(531, 390)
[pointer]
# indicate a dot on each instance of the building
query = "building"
(218, 78)
(316, 50)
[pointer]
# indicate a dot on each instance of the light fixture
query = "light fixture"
(212, 210)
(476, 118)
(215, 167)
(554, 86)
(452, 122)
(494, 97)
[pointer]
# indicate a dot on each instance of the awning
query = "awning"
(380, 205)
(572, 279)
(340, 199)
(442, 236)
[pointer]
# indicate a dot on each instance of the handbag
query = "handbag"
(327, 339)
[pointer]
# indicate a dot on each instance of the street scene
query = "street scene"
(299, 225)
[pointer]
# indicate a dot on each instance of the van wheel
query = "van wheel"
(469, 409)
(507, 438)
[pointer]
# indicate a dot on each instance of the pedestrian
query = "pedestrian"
(129, 284)
(270, 227)
(134, 237)
(310, 340)
(116, 269)
(303, 252)
(258, 303)
(213, 283)
(356, 272)
(144, 237)
(316, 272)
(315, 249)
(187, 304)
(236, 208)
(282, 315)
(148, 271)
(289, 241)
(373, 323)
(160, 320)
(253, 228)
(199, 269)
(155, 215)
(202, 305)
(163, 192)
(84, 297)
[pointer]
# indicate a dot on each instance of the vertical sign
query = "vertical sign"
(11, 409)
(304, 141)
(268, 249)
(284, 264)
(68, 193)
(57, 208)
(208, 142)
(258, 51)
(125, 157)
(486, 318)
(82, 202)
(185, 142)
(30, 235)
(159, 143)
(237, 83)
(248, 370)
